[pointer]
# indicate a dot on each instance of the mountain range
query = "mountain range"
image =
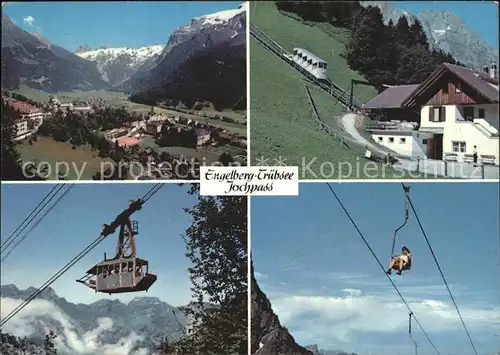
(202, 61)
(446, 31)
(317, 351)
(140, 324)
(118, 64)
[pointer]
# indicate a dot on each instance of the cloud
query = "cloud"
(29, 20)
(341, 318)
(260, 276)
(28, 322)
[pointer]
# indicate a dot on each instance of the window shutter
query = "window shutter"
(442, 114)
(431, 114)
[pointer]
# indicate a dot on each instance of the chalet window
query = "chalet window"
(437, 114)
(481, 113)
(459, 147)
(391, 139)
(424, 141)
(458, 88)
(402, 140)
(469, 113)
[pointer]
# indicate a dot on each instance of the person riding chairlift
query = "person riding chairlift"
(400, 262)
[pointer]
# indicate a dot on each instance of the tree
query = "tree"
(226, 159)
(415, 65)
(48, 343)
(404, 35)
(216, 245)
(418, 34)
(368, 51)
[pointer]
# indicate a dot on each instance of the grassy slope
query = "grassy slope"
(280, 121)
(324, 40)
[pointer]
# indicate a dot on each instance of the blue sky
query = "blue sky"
(327, 288)
(76, 221)
(481, 16)
(111, 24)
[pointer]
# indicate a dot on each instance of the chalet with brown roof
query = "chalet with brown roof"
(458, 110)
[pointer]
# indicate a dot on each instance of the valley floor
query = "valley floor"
(51, 152)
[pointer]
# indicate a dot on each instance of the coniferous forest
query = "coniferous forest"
(392, 54)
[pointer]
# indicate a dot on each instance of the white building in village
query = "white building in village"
(29, 122)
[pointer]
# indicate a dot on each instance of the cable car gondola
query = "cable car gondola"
(125, 272)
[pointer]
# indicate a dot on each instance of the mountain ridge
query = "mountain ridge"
(446, 31)
(269, 337)
(145, 319)
(118, 64)
(204, 63)
(31, 60)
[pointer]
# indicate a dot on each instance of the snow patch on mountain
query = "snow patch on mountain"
(220, 17)
(446, 31)
(105, 56)
(197, 24)
(116, 65)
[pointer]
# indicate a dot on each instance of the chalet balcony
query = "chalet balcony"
(392, 126)
(484, 118)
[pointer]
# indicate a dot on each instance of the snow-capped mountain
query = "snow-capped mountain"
(219, 37)
(107, 326)
(217, 20)
(446, 31)
(118, 64)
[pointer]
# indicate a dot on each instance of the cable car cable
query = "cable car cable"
(181, 328)
(442, 275)
(65, 268)
(51, 280)
(382, 267)
(8, 241)
(36, 223)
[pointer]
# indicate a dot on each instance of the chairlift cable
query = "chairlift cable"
(442, 275)
(382, 267)
(16, 232)
(71, 263)
(407, 196)
(409, 332)
(20, 240)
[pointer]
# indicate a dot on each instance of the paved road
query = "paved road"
(349, 123)
(426, 166)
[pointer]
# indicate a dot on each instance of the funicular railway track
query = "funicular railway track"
(330, 87)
